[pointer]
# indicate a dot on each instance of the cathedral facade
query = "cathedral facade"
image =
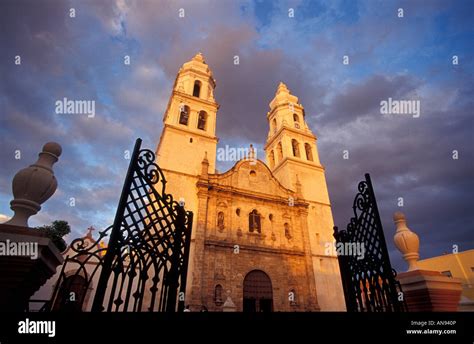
(261, 228)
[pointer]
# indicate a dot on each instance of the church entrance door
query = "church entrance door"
(258, 293)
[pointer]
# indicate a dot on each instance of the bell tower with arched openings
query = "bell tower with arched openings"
(190, 121)
(293, 158)
(189, 137)
(291, 150)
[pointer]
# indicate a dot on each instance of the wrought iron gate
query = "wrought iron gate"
(369, 282)
(144, 265)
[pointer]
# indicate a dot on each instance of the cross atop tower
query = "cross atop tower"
(89, 232)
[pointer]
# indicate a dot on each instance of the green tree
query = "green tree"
(56, 231)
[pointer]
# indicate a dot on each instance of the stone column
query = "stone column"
(28, 258)
(423, 290)
(199, 273)
(312, 301)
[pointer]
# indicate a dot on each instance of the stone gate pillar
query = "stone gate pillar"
(28, 258)
(423, 290)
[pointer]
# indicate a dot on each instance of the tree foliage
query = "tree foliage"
(56, 231)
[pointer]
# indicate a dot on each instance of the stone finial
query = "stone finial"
(33, 185)
(205, 167)
(198, 57)
(282, 88)
(251, 154)
(299, 188)
(406, 241)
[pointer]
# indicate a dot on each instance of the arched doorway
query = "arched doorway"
(258, 293)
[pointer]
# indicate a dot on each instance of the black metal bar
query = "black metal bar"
(345, 283)
(184, 271)
(173, 276)
(368, 283)
(345, 273)
(157, 232)
(50, 305)
(377, 218)
(386, 257)
(115, 233)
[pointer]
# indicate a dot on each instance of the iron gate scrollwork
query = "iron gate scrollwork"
(144, 265)
(369, 283)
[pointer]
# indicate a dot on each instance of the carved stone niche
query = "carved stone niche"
(222, 216)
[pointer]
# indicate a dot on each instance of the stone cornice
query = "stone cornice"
(196, 99)
(243, 247)
(250, 194)
(180, 173)
(271, 113)
(298, 161)
(323, 256)
(192, 70)
(286, 127)
(193, 132)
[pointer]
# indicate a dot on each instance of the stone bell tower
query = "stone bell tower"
(291, 148)
(189, 131)
(189, 128)
(293, 158)
(188, 138)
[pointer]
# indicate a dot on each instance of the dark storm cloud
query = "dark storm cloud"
(33, 29)
(362, 98)
(407, 157)
(53, 66)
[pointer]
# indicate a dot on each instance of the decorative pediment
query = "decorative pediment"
(251, 175)
(222, 204)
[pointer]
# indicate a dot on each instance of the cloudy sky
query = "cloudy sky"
(409, 57)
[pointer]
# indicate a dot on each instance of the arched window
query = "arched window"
(202, 120)
(254, 222)
(296, 148)
(184, 115)
(309, 154)
(218, 295)
(271, 158)
(220, 221)
(274, 125)
(287, 231)
(296, 119)
(197, 88)
(280, 152)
